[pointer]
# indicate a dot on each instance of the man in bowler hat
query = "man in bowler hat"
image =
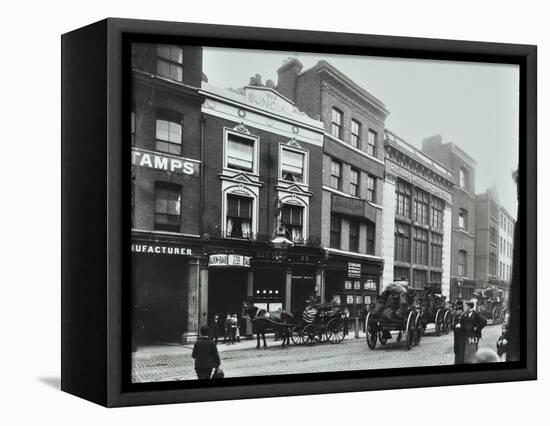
(458, 331)
(473, 323)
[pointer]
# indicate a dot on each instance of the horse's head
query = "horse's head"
(249, 310)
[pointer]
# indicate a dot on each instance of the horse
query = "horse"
(279, 321)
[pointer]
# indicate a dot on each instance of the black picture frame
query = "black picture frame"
(95, 211)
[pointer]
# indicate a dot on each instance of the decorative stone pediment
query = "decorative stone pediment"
(241, 128)
(294, 143)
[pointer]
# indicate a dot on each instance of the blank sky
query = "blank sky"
(473, 105)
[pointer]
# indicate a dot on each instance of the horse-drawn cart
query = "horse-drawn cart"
(490, 304)
(394, 310)
(435, 309)
(320, 323)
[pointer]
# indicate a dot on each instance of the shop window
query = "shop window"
(239, 217)
(403, 199)
(355, 134)
(437, 213)
(168, 131)
(336, 174)
(240, 152)
(336, 128)
(371, 142)
(292, 220)
(335, 231)
(371, 189)
(170, 62)
(354, 226)
(437, 250)
(420, 246)
(402, 242)
(463, 219)
(462, 270)
(370, 237)
(421, 202)
(292, 165)
(167, 207)
(354, 182)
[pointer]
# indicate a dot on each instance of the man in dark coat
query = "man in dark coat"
(458, 331)
(215, 328)
(205, 354)
(473, 324)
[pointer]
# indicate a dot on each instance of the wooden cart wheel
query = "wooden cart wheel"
(335, 330)
(409, 330)
(496, 315)
(371, 331)
(417, 329)
(447, 322)
(438, 323)
(297, 336)
(309, 333)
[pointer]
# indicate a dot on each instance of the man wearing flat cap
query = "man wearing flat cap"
(473, 322)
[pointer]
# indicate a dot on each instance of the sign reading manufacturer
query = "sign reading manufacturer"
(160, 249)
(354, 270)
(229, 260)
(155, 160)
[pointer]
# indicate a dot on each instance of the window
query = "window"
(355, 134)
(292, 220)
(462, 219)
(239, 217)
(170, 62)
(437, 212)
(354, 235)
(292, 165)
(370, 237)
(421, 206)
(402, 242)
(500, 269)
(354, 182)
(403, 199)
(463, 178)
(493, 235)
(400, 274)
(420, 279)
(492, 263)
(420, 246)
(240, 152)
(168, 131)
(437, 251)
(371, 189)
(335, 231)
(336, 129)
(371, 142)
(167, 207)
(462, 271)
(335, 174)
(436, 277)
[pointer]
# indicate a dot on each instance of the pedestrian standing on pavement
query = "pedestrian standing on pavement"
(502, 342)
(237, 329)
(233, 335)
(473, 323)
(205, 354)
(227, 325)
(346, 321)
(458, 331)
(215, 328)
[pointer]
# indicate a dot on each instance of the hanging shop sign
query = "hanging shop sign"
(161, 249)
(167, 163)
(354, 270)
(229, 260)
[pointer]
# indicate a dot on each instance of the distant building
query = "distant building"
(505, 246)
(353, 176)
(463, 246)
(418, 203)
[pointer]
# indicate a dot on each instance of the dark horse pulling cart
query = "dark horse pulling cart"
(320, 323)
(490, 304)
(394, 310)
(280, 322)
(435, 309)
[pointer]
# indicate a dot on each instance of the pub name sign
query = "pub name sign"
(229, 260)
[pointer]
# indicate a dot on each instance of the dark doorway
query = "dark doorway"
(226, 291)
(302, 290)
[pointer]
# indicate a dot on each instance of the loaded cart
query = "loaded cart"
(394, 310)
(435, 309)
(319, 323)
(490, 304)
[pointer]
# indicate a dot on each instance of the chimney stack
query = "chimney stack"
(432, 142)
(287, 76)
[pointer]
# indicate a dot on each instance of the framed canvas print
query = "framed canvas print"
(253, 212)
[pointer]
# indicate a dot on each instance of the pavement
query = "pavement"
(174, 362)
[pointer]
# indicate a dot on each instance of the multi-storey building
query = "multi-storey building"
(226, 195)
(462, 282)
(353, 176)
(505, 246)
(417, 216)
(487, 239)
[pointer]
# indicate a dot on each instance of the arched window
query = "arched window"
(463, 219)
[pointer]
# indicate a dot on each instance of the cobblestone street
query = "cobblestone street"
(169, 363)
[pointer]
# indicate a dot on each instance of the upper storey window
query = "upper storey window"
(170, 62)
(336, 129)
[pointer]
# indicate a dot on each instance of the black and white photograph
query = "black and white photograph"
(296, 212)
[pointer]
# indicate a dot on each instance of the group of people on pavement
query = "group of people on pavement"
(468, 324)
(228, 328)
